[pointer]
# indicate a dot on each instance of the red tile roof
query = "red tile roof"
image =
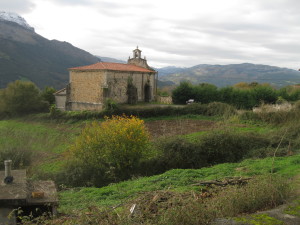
(113, 66)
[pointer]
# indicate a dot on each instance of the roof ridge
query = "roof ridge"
(113, 66)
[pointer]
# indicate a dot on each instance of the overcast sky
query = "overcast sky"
(172, 32)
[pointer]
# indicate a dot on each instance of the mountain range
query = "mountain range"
(26, 55)
(226, 75)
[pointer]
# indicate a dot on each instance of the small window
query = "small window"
(105, 93)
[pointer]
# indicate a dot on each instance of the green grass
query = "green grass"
(254, 128)
(179, 180)
(294, 209)
(40, 137)
(47, 141)
(262, 219)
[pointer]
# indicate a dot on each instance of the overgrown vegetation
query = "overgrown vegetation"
(169, 198)
(111, 108)
(242, 95)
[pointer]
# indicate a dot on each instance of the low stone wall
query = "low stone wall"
(273, 108)
(81, 106)
(164, 100)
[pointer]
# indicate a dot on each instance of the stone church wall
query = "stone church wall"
(86, 90)
(117, 84)
(89, 89)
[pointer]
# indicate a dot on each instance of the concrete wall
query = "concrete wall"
(60, 99)
(7, 216)
(60, 102)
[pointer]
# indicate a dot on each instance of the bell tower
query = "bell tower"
(137, 53)
(137, 59)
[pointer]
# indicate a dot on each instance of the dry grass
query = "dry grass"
(194, 207)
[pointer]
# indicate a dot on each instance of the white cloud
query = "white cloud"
(17, 6)
(180, 33)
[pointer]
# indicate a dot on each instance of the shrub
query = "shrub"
(178, 153)
(195, 108)
(115, 146)
(229, 146)
(145, 112)
(205, 93)
(288, 136)
(249, 115)
(110, 105)
(220, 109)
(267, 152)
(213, 148)
(54, 112)
(77, 173)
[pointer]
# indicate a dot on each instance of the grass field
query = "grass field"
(50, 140)
(178, 180)
(46, 141)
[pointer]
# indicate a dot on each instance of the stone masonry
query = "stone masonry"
(91, 85)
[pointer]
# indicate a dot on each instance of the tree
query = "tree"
(242, 85)
(48, 95)
(183, 93)
(22, 97)
(205, 93)
(264, 94)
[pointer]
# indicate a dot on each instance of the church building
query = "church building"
(90, 86)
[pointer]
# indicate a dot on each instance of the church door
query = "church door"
(147, 91)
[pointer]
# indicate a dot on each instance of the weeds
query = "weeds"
(193, 207)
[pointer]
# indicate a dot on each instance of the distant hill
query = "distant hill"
(162, 84)
(107, 59)
(26, 55)
(169, 70)
(223, 75)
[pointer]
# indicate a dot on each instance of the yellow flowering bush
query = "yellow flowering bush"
(115, 146)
